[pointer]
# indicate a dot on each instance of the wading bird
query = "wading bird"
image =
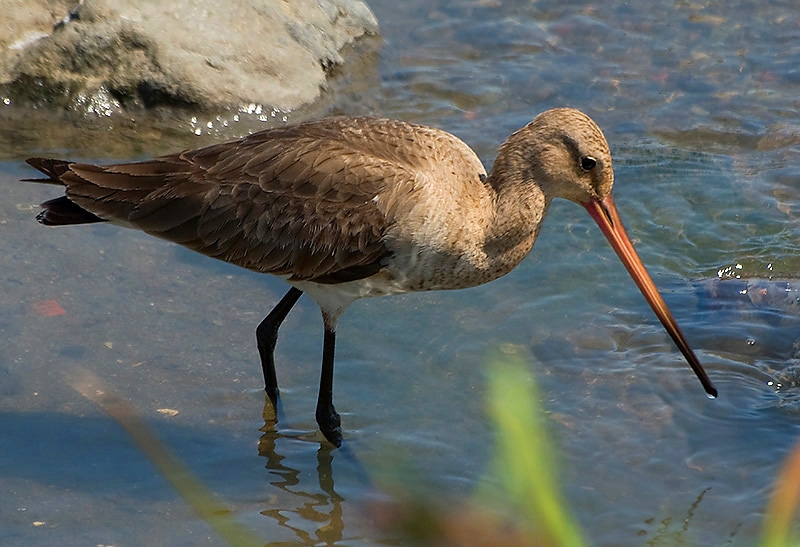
(345, 208)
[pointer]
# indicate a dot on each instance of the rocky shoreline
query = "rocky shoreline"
(121, 55)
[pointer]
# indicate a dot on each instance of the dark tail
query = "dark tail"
(59, 211)
(52, 168)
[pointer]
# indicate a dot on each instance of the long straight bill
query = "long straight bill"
(604, 212)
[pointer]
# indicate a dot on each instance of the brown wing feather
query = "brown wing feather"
(295, 201)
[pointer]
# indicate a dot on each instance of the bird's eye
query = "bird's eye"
(588, 163)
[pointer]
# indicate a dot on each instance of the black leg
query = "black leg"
(327, 418)
(267, 337)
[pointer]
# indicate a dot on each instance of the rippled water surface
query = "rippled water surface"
(699, 101)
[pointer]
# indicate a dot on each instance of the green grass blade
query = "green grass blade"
(523, 458)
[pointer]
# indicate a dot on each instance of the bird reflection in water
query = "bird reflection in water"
(322, 507)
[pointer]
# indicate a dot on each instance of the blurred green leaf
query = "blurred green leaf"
(192, 490)
(778, 523)
(523, 460)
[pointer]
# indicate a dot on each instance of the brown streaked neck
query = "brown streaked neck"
(520, 204)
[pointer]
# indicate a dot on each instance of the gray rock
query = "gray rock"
(202, 54)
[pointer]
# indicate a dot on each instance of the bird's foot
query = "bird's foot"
(331, 425)
(272, 407)
(272, 394)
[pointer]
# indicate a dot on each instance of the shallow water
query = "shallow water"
(700, 104)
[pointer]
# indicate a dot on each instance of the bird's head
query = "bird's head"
(562, 153)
